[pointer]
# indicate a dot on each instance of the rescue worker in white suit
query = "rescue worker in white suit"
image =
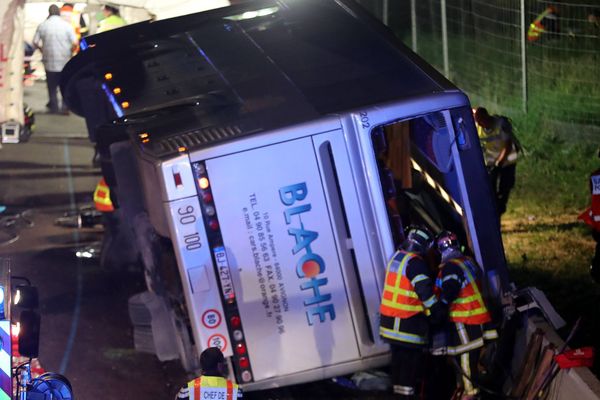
(212, 384)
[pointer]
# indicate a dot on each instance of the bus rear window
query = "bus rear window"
(418, 176)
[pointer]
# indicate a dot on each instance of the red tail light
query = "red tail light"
(240, 348)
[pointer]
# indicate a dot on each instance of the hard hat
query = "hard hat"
(446, 240)
(418, 239)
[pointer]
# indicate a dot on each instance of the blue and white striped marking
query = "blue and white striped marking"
(5, 361)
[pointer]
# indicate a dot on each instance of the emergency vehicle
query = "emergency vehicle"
(275, 149)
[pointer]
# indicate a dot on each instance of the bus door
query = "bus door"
(274, 226)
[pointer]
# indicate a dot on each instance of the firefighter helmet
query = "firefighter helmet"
(446, 240)
(418, 239)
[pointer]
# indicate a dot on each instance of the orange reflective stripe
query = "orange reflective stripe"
(197, 388)
(469, 307)
(399, 298)
(229, 390)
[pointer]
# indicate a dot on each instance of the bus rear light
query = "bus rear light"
(203, 183)
(207, 198)
(236, 322)
(240, 348)
(246, 376)
(210, 211)
(213, 224)
(244, 363)
(238, 335)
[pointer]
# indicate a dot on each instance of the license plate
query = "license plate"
(224, 273)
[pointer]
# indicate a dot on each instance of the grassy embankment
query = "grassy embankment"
(546, 246)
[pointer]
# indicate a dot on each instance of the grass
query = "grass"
(546, 246)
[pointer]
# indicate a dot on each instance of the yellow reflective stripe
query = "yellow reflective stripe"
(490, 334)
(464, 365)
(419, 278)
(470, 277)
(469, 299)
(454, 350)
(470, 313)
(400, 306)
(430, 301)
(402, 336)
(403, 292)
(448, 277)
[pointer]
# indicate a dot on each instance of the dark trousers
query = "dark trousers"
(52, 81)
(407, 370)
(503, 180)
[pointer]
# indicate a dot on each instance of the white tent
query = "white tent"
(19, 19)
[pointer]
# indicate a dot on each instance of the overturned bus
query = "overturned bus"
(264, 159)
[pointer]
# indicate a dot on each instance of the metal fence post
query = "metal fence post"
(523, 58)
(445, 39)
(385, 12)
(413, 24)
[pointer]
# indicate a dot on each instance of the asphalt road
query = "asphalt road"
(85, 331)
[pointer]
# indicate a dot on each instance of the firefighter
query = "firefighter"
(500, 148)
(75, 19)
(212, 384)
(407, 301)
(545, 22)
(468, 327)
(591, 216)
(112, 19)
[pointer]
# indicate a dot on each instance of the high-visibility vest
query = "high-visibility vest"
(212, 387)
(493, 143)
(468, 308)
(399, 299)
(73, 17)
(102, 197)
(110, 22)
(536, 28)
(591, 216)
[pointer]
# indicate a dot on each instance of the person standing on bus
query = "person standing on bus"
(458, 286)
(407, 301)
(500, 149)
(212, 384)
(112, 19)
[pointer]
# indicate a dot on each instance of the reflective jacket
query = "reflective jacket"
(406, 300)
(110, 22)
(399, 298)
(212, 387)
(468, 306)
(493, 141)
(102, 197)
(537, 28)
